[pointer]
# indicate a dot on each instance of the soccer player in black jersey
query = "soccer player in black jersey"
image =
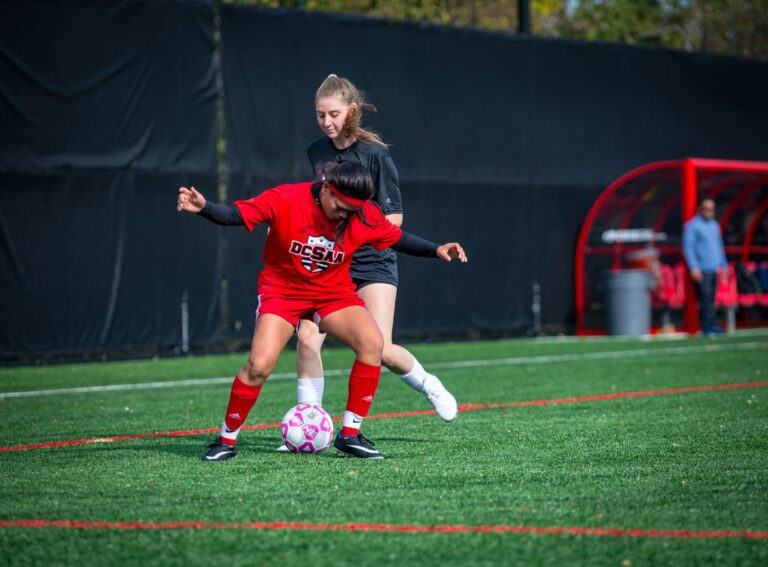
(339, 105)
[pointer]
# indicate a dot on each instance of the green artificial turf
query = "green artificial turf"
(685, 461)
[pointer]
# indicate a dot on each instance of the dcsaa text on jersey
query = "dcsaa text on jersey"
(317, 253)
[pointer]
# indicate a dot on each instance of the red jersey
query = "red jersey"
(303, 256)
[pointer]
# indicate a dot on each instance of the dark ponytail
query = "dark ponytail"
(352, 179)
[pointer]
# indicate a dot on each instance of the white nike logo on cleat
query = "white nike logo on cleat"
(366, 449)
(217, 456)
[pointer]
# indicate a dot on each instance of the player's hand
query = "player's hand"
(451, 250)
(190, 200)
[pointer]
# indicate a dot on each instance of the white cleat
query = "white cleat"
(283, 449)
(440, 398)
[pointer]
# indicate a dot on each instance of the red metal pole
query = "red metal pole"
(688, 191)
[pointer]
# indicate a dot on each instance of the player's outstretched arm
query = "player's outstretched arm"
(416, 246)
(192, 201)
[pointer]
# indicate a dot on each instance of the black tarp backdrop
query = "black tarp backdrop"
(502, 142)
(105, 109)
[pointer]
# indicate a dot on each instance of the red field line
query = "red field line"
(463, 407)
(618, 395)
(399, 528)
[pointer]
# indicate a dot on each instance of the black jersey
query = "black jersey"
(368, 265)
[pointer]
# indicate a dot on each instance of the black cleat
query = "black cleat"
(220, 451)
(713, 332)
(356, 446)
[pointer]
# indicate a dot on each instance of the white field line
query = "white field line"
(512, 361)
(738, 333)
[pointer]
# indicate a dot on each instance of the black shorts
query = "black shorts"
(374, 266)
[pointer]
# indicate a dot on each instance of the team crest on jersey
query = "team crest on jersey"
(317, 253)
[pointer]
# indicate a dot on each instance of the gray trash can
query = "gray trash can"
(628, 302)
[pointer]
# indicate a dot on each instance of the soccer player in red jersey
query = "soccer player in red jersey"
(339, 107)
(314, 228)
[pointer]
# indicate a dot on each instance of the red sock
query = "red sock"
(363, 382)
(241, 400)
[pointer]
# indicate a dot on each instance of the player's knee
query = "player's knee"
(257, 369)
(371, 346)
(308, 338)
(377, 342)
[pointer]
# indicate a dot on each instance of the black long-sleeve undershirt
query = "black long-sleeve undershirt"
(219, 213)
(229, 215)
(415, 246)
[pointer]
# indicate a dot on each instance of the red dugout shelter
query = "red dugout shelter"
(637, 222)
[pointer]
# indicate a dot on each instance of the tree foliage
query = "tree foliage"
(734, 27)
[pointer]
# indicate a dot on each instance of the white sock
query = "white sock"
(310, 390)
(415, 378)
(352, 420)
(227, 434)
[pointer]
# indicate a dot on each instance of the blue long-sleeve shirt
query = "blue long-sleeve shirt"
(703, 245)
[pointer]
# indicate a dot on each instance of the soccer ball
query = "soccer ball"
(306, 428)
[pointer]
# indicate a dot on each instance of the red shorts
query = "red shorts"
(294, 310)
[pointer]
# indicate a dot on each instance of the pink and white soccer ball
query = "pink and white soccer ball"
(307, 428)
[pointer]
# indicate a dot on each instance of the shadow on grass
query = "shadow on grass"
(194, 447)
